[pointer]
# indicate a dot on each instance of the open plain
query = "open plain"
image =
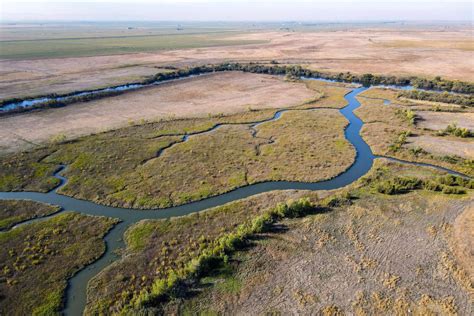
(247, 191)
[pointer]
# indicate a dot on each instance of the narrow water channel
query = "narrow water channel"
(77, 285)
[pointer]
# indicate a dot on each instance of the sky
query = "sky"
(237, 10)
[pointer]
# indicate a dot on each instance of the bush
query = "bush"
(457, 131)
(453, 190)
(399, 185)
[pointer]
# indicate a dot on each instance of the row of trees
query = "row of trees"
(273, 69)
(445, 97)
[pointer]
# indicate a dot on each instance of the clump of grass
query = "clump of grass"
(401, 140)
(408, 115)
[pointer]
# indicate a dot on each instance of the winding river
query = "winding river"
(77, 285)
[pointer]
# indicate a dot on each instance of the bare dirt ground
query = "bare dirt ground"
(463, 233)
(423, 52)
(439, 121)
(198, 97)
(443, 146)
(379, 256)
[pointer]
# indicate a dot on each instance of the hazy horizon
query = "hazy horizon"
(238, 11)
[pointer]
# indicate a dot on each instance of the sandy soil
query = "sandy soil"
(210, 94)
(443, 146)
(438, 121)
(447, 53)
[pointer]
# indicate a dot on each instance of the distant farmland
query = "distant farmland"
(113, 45)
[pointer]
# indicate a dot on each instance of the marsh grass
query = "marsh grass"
(13, 212)
(38, 259)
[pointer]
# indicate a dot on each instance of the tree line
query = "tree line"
(272, 69)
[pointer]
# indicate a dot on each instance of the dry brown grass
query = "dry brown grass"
(382, 260)
(439, 121)
(425, 52)
(225, 93)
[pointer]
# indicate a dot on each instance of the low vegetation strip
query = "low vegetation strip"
(445, 97)
(38, 258)
(13, 212)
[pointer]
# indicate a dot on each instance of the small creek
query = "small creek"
(77, 285)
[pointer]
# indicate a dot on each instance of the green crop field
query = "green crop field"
(110, 45)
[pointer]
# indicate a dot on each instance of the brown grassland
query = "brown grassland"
(214, 94)
(422, 51)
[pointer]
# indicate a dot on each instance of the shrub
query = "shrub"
(453, 190)
(399, 185)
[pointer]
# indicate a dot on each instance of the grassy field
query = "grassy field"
(121, 168)
(370, 254)
(94, 46)
(39, 258)
(13, 211)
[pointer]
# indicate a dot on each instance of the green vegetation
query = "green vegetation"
(39, 258)
(453, 129)
(444, 97)
(94, 46)
(401, 140)
(388, 182)
(408, 115)
(13, 212)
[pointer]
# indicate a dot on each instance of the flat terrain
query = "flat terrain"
(212, 94)
(376, 255)
(38, 258)
(439, 121)
(443, 146)
(423, 51)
